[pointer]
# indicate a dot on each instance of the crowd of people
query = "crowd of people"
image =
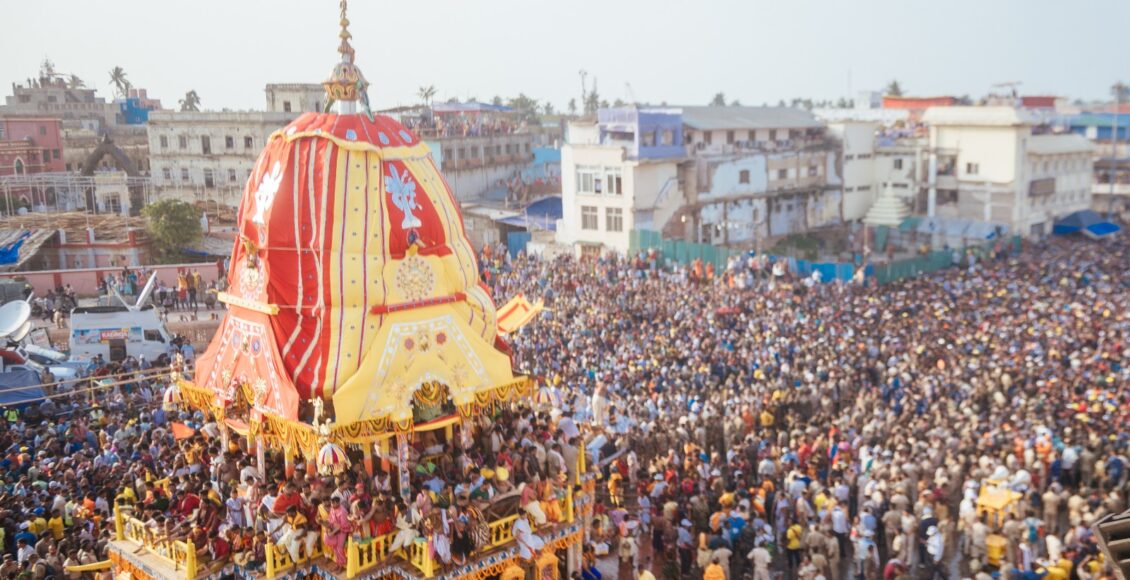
(755, 429)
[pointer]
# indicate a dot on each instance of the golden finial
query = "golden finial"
(345, 48)
(346, 83)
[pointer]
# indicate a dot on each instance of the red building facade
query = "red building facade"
(30, 145)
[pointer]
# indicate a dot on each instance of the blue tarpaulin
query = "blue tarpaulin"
(10, 252)
(18, 388)
(1086, 222)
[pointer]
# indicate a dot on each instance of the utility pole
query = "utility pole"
(1118, 89)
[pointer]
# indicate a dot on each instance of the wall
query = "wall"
(857, 160)
(303, 97)
(85, 281)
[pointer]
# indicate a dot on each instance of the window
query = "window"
(752, 136)
(475, 151)
(772, 134)
(743, 176)
(613, 181)
(667, 137)
(730, 137)
(449, 154)
(498, 149)
(167, 174)
(182, 142)
(231, 176)
(42, 130)
(206, 145)
(863, 188)
(527, 147)
(229, 142)
(184, 174)
(286, 106)
(588, 217)
(782, 174)
(113, 203)
(849, 157)
(813, 170)
(153, 335)
(209, 178)
(19, 167)
(614, 219)
(898, 163)
(462, 152)
(588, 179)
(54, 153)
(706, 137)
(248, 142)
(972, 168)
(164, 141)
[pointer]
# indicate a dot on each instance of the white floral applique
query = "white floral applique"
(265, 195)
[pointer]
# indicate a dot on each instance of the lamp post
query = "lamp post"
(1118, 90)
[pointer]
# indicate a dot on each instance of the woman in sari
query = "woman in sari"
(336, 526)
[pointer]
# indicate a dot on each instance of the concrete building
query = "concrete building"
(476, 166)
(994, 164)
(295, 97)
(30, 145)
(1111, 185)
(208, 156)
(721, 175)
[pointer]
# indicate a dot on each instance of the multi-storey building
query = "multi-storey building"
(208, 156)
(1111, 186)
(30, 145)
(723, 175)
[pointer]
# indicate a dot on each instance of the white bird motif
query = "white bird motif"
(265, 195)
(403, 196)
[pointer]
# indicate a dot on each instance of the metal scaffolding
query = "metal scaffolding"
(68, 191)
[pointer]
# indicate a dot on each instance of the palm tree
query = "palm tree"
(74, 82)
(572, 106)
(119, 80)
(190, 102)
(426, 94)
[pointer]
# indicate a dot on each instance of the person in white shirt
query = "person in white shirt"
(760, 559)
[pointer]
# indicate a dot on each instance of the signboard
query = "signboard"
(1045, 186)
(105, 335)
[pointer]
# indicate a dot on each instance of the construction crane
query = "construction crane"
(1010, 85)
(631, 94)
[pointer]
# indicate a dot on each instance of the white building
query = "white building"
(295, 97)
(721, 175)
(618, 174)
(988, 164)
(208, 156)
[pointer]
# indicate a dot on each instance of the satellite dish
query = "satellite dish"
(146, 292)
(21, 333)
(13, 315)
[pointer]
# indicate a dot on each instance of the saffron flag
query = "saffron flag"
(182, 431)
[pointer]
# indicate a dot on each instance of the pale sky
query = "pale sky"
(680, 52)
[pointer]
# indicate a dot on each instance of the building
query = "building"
(78, 107)
(208, 156)
(994, 164)
(295, 97)
(720, 175)
(483, 149)
(1111, 185)
(30, 145)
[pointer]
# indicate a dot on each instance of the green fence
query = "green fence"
(684, 253)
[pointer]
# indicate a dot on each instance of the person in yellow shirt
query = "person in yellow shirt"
(55, 524)
(714, 571)
(37, 525)
(793, 537)
(644, 573)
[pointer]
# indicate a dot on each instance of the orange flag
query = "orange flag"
(182, 431)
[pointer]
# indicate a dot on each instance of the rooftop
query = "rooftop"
(713, 118)
(1066, 143)
(978, 117)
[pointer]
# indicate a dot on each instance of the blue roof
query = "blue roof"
(1086, 222)
(542, 213)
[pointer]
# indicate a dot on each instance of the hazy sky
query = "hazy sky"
(679, 52)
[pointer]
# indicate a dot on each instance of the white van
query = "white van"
(116, 332)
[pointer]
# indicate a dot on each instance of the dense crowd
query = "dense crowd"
(739, 423)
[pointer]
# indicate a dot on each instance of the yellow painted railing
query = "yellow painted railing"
(421, 557)
(501, 531)
(95, 567)
(278, 557)
(361, 557)
(182, 555)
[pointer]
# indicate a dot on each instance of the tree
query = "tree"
(572, 107)
(526, 107)
(120, 82)
(735, 103)
(426, 94)
(893, 89)
(604, 104)
(618, 103)
(781, 103)
(172, 224)
(592, 100)
(719, 100)
(841, 103)
(190, 102)
(548, 109)
(74, 82)
(496, 101)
